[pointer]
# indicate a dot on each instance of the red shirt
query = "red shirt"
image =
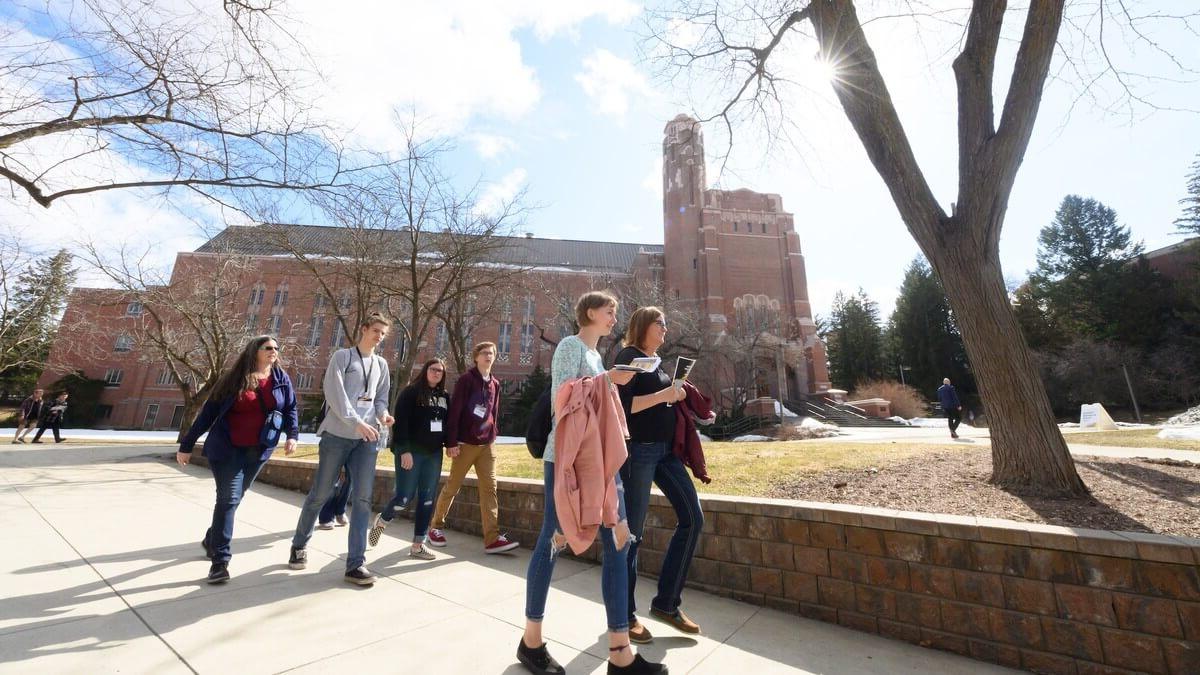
(246, 417)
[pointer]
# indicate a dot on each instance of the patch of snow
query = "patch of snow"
(901, 420)
(1180, 432)
(704, 439)
(752, 438)
(782, 411)
(1186, 418)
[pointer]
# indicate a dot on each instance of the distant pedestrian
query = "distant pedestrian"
(950, 405)
(27, 416)
(252, 405)
(334, 511)
(52, 417)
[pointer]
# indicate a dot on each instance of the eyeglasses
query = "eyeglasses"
(437, 370)
(268, 348)
(662, 323)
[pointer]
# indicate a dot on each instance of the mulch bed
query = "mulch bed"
(1139, 495)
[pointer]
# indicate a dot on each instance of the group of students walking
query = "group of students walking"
(613, 434)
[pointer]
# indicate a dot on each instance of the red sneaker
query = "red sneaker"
(501, 545)
(436, 538)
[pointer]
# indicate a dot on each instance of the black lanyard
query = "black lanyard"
(366, 373)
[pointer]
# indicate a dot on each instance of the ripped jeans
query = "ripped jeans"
(421, 482)
(614, 580)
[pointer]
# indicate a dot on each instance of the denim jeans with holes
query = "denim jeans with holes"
(613, 580)
(421, 482)
(655, 463)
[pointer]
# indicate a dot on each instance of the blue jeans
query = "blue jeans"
(613, 570)
(420, 481)
(359, 458)
(233, 477)
(336, 506)
(654, 462)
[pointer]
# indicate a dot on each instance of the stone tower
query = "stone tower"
(736, 255)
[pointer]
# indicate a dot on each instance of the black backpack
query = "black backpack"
(538, 431)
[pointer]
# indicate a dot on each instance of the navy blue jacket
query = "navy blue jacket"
(948, 397)
(212, 419)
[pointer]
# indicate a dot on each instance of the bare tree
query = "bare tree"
(192, 322)
(123, 94)
(408, 241)
(737, 46)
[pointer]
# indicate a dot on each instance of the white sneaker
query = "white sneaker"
(324, 526)
(421, 553)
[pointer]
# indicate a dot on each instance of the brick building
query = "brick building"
(733, 257)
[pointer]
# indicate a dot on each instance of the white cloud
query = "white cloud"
(450, 62)
(491, 146)
(610, 81)
(502, 191)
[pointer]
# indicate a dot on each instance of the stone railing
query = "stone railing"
(1043, 598)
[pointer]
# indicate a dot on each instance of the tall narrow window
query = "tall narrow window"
(439, 342)
(316, 326)
(124, 343)
(504, 343)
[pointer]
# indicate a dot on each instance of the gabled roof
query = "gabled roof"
(597, 256)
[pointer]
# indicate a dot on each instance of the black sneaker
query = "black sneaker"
(298, 560)
(538, 660)
(360, 576)
(639, 666)
(218, 573)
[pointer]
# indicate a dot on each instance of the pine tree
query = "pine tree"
(1082, 262)
(1189, 222)
(923, 335)
(31, 315)
(854, 340)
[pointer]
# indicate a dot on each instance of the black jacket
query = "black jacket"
(53, 411)
(412, 431)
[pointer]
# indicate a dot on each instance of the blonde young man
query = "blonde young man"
(470, 434)
(356, 387)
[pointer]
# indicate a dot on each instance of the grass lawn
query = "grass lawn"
(744, 469)
(1130, 438)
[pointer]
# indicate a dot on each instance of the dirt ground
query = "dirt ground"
(1139, 495)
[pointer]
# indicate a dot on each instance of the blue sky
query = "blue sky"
(551, 96)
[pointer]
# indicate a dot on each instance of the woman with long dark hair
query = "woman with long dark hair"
(250, 408)
(418, 437)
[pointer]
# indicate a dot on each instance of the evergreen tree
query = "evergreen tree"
(1189, 221)
(30, 316)
(854, 340)
(522, 405)
(1081, 266)
(923, 336)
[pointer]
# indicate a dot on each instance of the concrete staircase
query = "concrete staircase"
(839, 414)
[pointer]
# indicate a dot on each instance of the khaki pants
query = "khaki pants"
(483, 458)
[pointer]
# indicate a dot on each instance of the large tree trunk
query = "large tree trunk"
(1028, 449)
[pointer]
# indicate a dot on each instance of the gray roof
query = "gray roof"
(599, 256)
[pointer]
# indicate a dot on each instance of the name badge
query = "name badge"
(481, 411)
(435, 425)
(365, 399)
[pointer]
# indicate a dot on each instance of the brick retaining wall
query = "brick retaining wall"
(1043, 598)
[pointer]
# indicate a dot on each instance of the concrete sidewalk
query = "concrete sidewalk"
(101, 572)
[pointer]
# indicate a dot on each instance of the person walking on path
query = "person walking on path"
(334, 511)
(240, 418)
(356, 385)
(576, 357)
(948, 397)
(647, 402)
(51, 418)
(471, 427)
(417, 442)
(27, 416)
